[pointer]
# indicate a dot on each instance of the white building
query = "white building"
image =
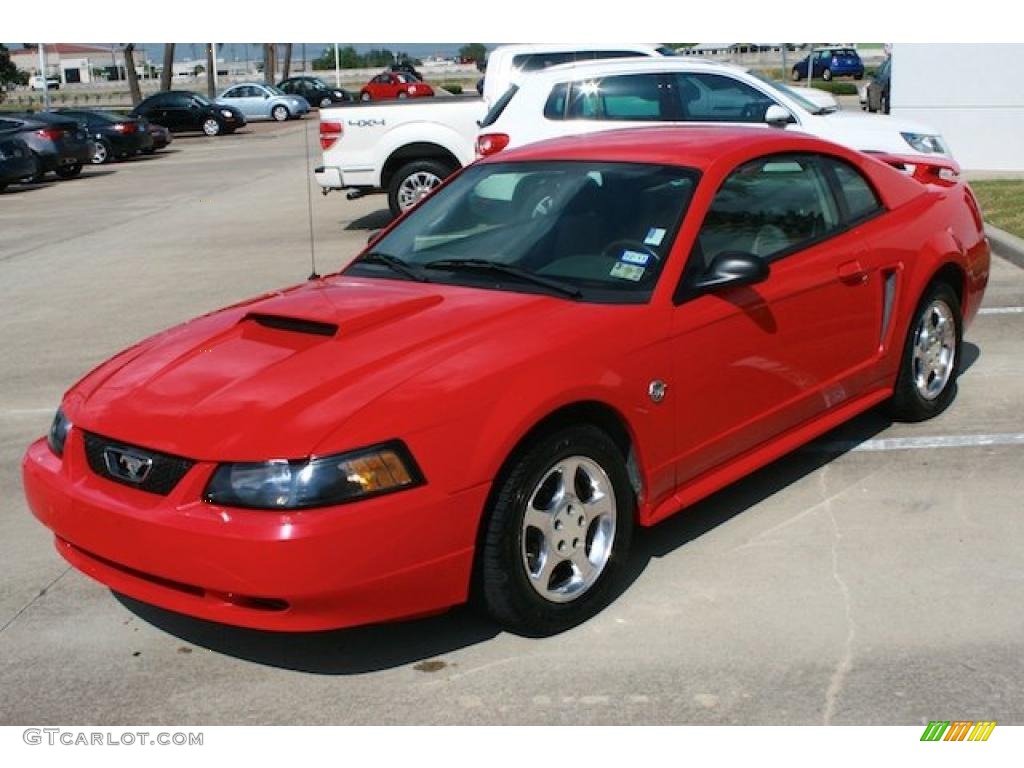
(972, 93)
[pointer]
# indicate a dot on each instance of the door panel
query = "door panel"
(756, 361)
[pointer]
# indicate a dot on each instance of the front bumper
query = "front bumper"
(396, 556)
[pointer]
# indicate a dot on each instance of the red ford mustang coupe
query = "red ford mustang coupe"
(561, 343)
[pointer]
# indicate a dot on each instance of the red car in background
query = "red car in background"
(563, 342)
(394, 85)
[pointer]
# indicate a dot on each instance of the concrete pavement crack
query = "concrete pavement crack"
(839, 675)
(33, 601)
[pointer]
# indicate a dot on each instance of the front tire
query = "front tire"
(557, 532)
(212, 127)
(280, 113)
(413, 182)
(365, 96)
(795, 75)
(826, 75)
(930, 364)
(69, 171)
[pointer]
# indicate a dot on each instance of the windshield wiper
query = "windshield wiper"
(482, 265)
(394, 263)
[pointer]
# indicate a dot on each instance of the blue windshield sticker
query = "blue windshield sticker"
(627, 271)
(635, 257)
(654, 236)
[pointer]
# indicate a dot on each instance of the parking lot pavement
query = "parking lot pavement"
(873, 577)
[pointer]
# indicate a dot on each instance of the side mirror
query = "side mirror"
(778, 117)
(732, 268)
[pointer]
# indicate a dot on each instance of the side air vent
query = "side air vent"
(294, 324)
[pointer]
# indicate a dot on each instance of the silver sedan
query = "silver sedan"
(264, 102)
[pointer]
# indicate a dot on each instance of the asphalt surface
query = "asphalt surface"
(860, 580)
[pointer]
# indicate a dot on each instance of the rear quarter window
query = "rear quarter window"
(861, 200)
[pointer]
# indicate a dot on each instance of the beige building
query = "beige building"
(75, 63)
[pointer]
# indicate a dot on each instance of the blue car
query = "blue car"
(829, 63)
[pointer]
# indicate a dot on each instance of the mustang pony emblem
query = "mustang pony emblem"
(126, 465)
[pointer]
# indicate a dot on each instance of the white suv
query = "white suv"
(507, 64)
(601, 95)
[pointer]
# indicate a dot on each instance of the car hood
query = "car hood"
(223, 386)
(880, 133)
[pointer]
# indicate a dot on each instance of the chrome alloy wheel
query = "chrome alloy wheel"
(211, 127)
(934, 350)
(100, 154)
(415, 187)
(568, 529)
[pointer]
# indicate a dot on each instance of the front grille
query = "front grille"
(164, 473)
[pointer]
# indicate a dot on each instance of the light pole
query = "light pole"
(337, 67)
(46, 84)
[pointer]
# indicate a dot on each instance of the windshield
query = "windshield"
(597, 231)
(792, 93)
(275, 90)
(200, 100)
(319, 83)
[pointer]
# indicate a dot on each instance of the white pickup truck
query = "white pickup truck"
(405, 147)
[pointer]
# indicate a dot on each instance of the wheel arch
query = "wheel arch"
(594, 412)
(421, 150)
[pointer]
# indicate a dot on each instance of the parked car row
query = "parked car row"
(62, 142)
(408, 150)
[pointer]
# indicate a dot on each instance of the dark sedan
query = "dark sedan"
(188, 111)
(57, 143)
(315, 91)
(878, 89)
(16, 161)
(114, 136)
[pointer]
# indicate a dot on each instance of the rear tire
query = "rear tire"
(103, 153)
(795, 75)
(539, 570)
(365, 96)
(930, 363)
(826, 75)
(414, 181)
(69, 171)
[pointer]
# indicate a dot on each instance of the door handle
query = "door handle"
(852, 273)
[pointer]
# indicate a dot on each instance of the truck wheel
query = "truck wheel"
(413, 182)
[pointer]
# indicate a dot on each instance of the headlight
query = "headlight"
(317, 482)
(226, 113)
(925, 143)
(58, 432)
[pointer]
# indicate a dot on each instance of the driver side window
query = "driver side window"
(769, 207)
(719, 98)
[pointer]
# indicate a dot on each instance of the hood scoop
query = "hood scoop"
(292, 324)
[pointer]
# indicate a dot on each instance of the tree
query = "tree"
(133, 78)
(168, 71)
(269, 63)
(9, 72)
(211, 72)
(286, 68)
(476, 52)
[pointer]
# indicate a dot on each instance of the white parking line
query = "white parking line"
(1001, 311)
(913, 443)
